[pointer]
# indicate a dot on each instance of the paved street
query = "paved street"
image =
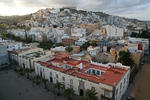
(141, 89)
(16, 87)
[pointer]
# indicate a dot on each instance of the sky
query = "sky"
(126, 8)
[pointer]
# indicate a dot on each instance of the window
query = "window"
(93, 88)
(106, 93)
(124, 80)
(37, 68)
(63, 78)
(116, 91)
(93, 71)
(56, 75)
(56, 81)
(50, 73)
(71, 83)
(98, 72)
(120, 86)
(89, 71)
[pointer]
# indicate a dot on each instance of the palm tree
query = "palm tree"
(58, 86)
(45, 82)
(69, 93)
(37, 79)
(27, 71)
(90, 95)
(21, 71)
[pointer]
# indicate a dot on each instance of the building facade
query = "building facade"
(3, 55)
(110, 81)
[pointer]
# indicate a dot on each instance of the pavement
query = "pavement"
(141, 89)
(131, 87)
(16, 87)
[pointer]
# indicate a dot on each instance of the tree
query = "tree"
(68, 93)
(37, 79)
(125, 58)
(90, 95)
(143, 34)
(134, 34)
(27, 71)
(93, 43)
(45, 82)
(46, 45)
(59, 44)
(85, 45)
(58, 86)
(69, 49)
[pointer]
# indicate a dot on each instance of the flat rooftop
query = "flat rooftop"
(34, 54)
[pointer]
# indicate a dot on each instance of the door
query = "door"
(81, 92)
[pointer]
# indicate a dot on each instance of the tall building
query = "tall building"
(114, 32)
(3, 55)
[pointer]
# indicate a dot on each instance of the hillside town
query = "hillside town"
(80, 51)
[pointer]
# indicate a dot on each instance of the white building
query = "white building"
(59, 49)
(110, 81)
(143, 42)
(78, 32)
(93, 51)
(14, 46)
(113, 31)
(80, 42)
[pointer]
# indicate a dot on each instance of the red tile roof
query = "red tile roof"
(110, 77)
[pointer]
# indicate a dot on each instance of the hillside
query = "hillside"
(47, 17)
(13, 20)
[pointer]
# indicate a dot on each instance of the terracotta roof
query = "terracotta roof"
(110, 77)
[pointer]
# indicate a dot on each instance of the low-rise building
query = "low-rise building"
(12, 45)
(81, 41)
(26, 57)
(143, 42)
(93, 51)
(68, 41)
(56, 50)
(110, 81)
(78, 32)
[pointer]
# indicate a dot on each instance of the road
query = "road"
(141, 89)
(16, 87)
(140, 75)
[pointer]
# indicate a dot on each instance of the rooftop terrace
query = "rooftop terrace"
(33, 54)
